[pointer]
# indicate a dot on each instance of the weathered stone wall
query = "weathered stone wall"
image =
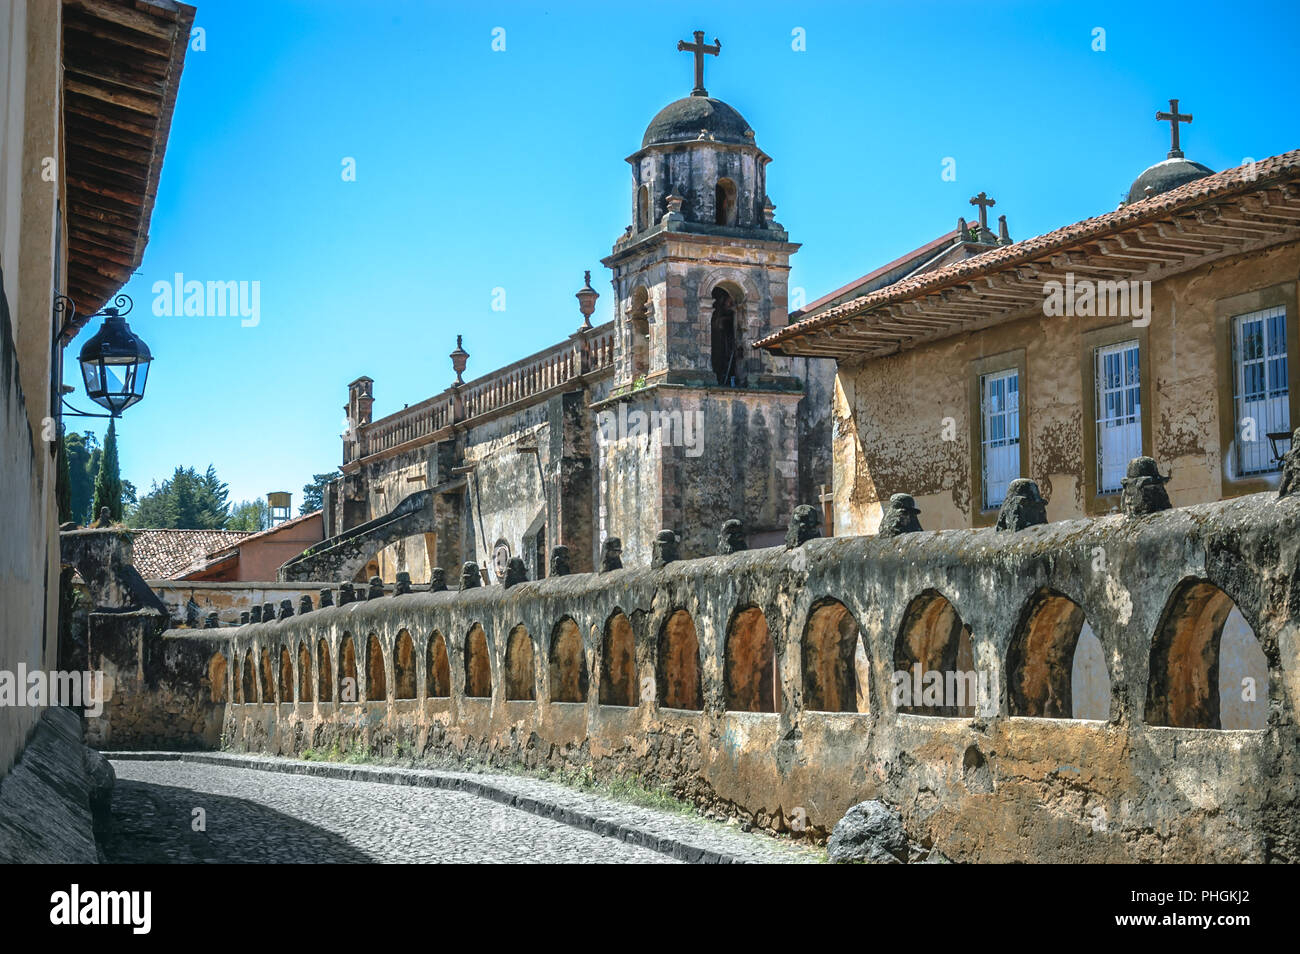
(26, 638)
(724, 453)
(30, 121)
(228, 600)
(816, 470)
(157, 690)
(387, 483)
(507, 493)
(879, 451)
(1156, 781)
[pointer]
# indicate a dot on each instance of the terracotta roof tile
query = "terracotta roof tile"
(1243, 179)
(165, 554)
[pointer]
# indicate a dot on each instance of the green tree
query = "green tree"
(157, 509)
(108, 481)
(187, 500)
(312, 494)
(249, 515)
(82, 452)
(63, 485)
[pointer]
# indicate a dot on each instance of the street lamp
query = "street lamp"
(114, 362)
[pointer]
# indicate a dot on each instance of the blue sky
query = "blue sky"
(478, 169)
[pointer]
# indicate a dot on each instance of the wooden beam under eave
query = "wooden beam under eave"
(105, 77)
(127, 17)
(126, 198)
(145, 105)
(93, 230)
(89, 111)
(92, 141)
(110, 34)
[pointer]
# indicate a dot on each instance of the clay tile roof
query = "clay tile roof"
(166, 554)
(122, 62)
(1243, 179)
(259, 534)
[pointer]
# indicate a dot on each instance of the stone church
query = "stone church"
(666, 418)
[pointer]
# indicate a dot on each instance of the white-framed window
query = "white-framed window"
(999, 434)
(1119, 413)
(1261, 397)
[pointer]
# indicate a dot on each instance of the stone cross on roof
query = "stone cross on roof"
(699, 48)
(1173, 118)
(983, 201)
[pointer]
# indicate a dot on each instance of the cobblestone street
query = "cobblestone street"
(254, 816)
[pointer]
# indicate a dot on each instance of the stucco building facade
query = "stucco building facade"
(1160, 329)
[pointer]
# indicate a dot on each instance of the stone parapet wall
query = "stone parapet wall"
(999, 780)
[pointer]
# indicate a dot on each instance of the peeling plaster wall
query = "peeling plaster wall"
(987, 788)
(738, 458)
(231, 599)
(879, 450)
(157, 690)
(30, 131)
(507, 496)
(387, 483)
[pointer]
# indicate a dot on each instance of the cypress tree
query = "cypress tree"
(63, 483)
(108, 482)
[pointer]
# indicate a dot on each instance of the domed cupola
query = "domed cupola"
(1173, 171)
(699, 168)
(695, 117)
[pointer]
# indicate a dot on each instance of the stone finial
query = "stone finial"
(1142, 489)
(256, 615)
(469, 575)
(1022, 507)
(326, 597)
(437, 580)
(732, 537)
(376, 588)
(403, 583)
(1290, 482)
(286, 608)
(611, 554)
(673, 218)
(560, 561)
(516, 572)
(805, 525)
(105, 520)
(900, 516)
(304, 604)
(244, 617)
(268, 612)
(347, 594)
(665, 549)
(586, 296)
(459, 360)
(1004, 234)
(210, 621)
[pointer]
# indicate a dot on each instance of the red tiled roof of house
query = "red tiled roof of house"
(932, 246)
(165, 554)
(269, 531)
(1242, 179)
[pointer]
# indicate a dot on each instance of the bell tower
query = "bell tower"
(699, 276)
